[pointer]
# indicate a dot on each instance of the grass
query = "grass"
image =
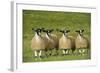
(29, 57)
(55, 20)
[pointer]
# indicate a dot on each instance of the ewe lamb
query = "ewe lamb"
(65, 42)
(37, 43)
(49, 41)
(81, 42)
(55, 39)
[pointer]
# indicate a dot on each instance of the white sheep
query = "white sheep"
(65, 42)
(81, 42)
(49, 41)
(56, 41)
(37, 43)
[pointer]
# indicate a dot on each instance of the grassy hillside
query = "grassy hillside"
(55, 20)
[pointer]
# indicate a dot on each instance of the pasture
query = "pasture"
(54, 20)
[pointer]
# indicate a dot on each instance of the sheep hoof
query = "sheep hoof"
(50, 54)
(41, 57)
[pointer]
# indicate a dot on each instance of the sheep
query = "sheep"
(55, 39)
(65, 42)
(37, 43)
(72, 43)
(49, 41)
(81, 42)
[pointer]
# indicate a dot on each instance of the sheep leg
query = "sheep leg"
(68, 51)
(64, 51)
(50, 52)
(77, 51)
(73, 50)
(35, 53)
(40, 53)
(82, 51)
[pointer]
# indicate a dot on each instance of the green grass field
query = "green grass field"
(55, 20)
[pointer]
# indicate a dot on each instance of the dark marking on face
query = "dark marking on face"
(64, 31)
(48, 31)
(37, 30)
(80, 32)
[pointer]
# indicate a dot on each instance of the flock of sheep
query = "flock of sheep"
(41, 44)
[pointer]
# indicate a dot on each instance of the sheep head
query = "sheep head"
(64, 31)
(38, 30)
(80, 32)
(48, 31)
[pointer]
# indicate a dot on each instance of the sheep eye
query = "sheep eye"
(82, 30)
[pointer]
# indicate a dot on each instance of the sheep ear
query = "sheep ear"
(61, 31)
(77, 31)
(68, 30)
(33, 29)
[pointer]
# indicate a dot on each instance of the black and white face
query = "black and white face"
(38, 31)
(48, 31)
(65, 32)
(80, 32)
